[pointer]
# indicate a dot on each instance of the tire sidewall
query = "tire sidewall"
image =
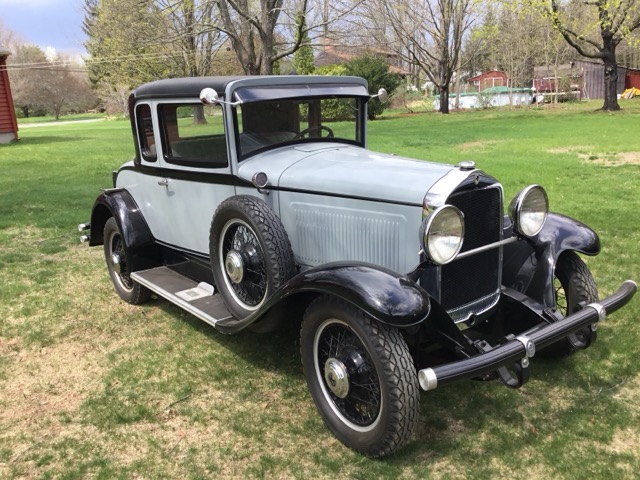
(570, 278)
(355, 438)
(136, 294)
(229, 211)
(579, 286)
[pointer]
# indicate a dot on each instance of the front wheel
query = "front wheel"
(574, 285)
(361, 377)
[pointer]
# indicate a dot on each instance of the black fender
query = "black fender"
(381, 294)
(119, 203)
(529, 265)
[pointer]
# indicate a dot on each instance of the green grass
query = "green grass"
(92, 387)
(63, 118)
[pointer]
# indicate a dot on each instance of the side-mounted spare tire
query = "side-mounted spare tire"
(251, 255)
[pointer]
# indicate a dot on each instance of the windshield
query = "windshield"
(273, 123)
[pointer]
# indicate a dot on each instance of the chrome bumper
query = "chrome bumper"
(523, 347)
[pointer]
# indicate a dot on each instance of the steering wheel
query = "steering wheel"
(319, 128)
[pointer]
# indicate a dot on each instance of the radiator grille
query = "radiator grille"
(473, 278)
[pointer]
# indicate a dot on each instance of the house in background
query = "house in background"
(490, 79)
(338, 55)
(8, 122)
(583, 77)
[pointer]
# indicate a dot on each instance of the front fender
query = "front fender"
(385, 296)
(529, 265)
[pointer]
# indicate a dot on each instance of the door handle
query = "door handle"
(164, 182)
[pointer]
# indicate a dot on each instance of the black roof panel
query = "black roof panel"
(183, 87)
(190, 87)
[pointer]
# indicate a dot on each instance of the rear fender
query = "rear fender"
(136, 234)
(529, 265)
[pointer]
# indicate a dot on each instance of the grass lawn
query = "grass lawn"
(93, 387)
(63, 118)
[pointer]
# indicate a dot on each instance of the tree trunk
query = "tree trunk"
(198, 115)
(266, 65)
(444, 99)
(610, 77)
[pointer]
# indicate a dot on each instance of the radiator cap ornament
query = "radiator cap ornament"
(467, 165)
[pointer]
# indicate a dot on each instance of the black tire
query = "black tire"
(251, 255)
(573, 284)
(118, 264)
(361, 377)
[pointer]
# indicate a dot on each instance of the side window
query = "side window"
(145, 132)
(193, 135)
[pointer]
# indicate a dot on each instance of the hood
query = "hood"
(343, 170)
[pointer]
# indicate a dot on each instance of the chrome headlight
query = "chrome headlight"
(442, 234)
(528, 211)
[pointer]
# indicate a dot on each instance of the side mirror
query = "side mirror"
(382, 95)
(209, 96)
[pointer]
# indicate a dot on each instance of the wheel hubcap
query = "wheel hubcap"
(116, 262)
(234, 266)
(337, 377)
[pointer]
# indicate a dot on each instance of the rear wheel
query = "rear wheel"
(361, 377)
(119, 265)
(573, 284)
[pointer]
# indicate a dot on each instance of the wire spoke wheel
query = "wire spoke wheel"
(561, 297)
(360, 375)
(116, 248)
(338, 347)
(574, 286)
(250, 254)
(119, 267)
(251, 285)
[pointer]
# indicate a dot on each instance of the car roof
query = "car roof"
(183, 87)
(190, 87)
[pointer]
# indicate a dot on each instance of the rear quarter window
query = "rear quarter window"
(145, 133)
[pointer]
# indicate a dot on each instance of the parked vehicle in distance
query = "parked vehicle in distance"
(253, 201)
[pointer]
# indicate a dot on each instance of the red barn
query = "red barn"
(492, 78)
(8, 122)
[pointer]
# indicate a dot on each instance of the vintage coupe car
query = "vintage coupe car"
(253, 201)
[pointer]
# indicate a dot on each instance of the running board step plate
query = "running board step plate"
(196, 298)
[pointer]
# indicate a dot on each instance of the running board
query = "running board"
(198, 299)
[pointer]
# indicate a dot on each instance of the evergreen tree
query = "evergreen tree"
(303, 57)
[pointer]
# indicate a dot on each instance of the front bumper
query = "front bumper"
(523, 347)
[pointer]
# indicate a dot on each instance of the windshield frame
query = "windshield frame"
(302, 94)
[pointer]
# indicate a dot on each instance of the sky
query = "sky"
(46, 23)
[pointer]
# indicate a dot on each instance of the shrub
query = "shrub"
(376, 71)
(334, 110)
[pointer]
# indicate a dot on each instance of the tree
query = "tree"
(595, 29)
(54, 85)
(26, 73)
(514, 42)
(61, 90)
(135, 41)
(303, 57)
(429, 35)
(251, 29)
(122, 42)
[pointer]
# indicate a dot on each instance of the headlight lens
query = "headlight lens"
(443, 233)
(528, 210)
